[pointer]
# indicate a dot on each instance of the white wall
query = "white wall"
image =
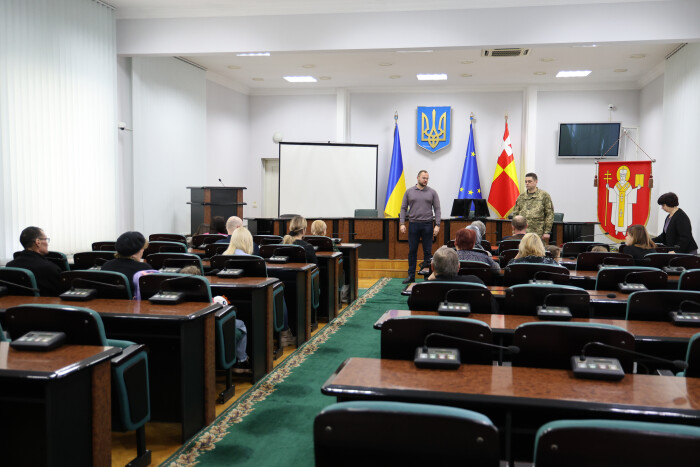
(125, 169)
(651, 139)
(170, 142)
(570, 182)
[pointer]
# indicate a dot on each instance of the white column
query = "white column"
(342, 128)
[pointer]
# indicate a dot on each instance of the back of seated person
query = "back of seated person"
(130, 247)
(638, 242)
(531, 250)
(465, 242)
(233, 223)
(519, 225)
(555, 251)
(446, 267)
(241, 242)
(36, 247)
(297, 229)
(319, 228)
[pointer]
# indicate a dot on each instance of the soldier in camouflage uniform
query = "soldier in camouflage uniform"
(536, 205)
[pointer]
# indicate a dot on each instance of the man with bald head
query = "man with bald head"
(519, 224)
(232, 224)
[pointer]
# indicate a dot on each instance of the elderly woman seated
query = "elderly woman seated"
(465, 240)
(531, 250)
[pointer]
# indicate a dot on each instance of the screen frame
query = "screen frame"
(608, 156)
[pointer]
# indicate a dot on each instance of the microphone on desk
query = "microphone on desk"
(20, 286)
(683, 317)
(448, 358)
(168, 297)
(83, 294)
(609, 368)
(556, 313)
(222, 183)
(629, 287)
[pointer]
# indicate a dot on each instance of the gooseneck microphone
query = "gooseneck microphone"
(446, 358)
(683, 317)
(19, 286)
(561, 313)
(168, 297)
(84, 294)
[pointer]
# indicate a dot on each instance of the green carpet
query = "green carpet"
(272, 423)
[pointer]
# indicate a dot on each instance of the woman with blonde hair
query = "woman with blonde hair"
(531, 250)
(638, 242)
(241, 242)
(318, 227)
(297, 229)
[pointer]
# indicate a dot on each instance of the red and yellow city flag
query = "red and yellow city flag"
(623, 196)
(504, 188)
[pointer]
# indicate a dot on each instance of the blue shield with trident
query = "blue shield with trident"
(433, 127)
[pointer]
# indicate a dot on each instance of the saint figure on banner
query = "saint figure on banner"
(623, 197)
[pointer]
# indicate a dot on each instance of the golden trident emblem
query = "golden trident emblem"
(432, 135)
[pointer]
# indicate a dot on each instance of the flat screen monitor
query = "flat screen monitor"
(589, 139)
(469, 208)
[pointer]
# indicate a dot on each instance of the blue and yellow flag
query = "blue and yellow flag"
(469, 187)
(396, 187)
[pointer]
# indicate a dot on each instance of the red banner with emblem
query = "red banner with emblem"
(624, 196)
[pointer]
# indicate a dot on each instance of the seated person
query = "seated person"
(297, 229)
(218, 226)
(479, 229)
(555, 251)
(241, 242)
(242, 363)
(319, 228)
(232, 224)
(519, 224)
(599, 249)
(464, 242)
(36, 246)
(638, 241)
(446, 267)
(130, 247)
(531, 250)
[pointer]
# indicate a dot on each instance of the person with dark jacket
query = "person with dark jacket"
(638, 243)
(297, 229)
(446, 267)
(677, 228)
(130, 247)
(36, 246)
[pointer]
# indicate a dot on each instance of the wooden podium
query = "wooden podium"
(208, 202)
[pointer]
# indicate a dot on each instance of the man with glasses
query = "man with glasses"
(36, 246)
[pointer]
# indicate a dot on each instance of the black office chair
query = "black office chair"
(323, 243)
(523, 299)
(19, 281)
(665, 248)
(510, 244)
(194, 288)
(486, 245)
(380, 433)
(616, 443)
(104, 246)
(427, 295)
(59, 259)
(689, 280)
(506, 255)
(608, 278)
(660, 260)
(655, 305)
(267, 239)
(551, 345)
(253, 266)
(108, 284)
(167, 237)
(296, 253)
(174, 260)
(555, 277)
(692, 358)
(481, 270)
(164, 247)
(213, 249)
(91, 259)
(400, 337)
(590, 260)
(522, 273)
(572, 249)
(202, 240)
(227, 335)
(130, 386)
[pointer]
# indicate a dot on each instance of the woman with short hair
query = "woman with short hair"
(465, 240)
(677, 229)
(531, 250)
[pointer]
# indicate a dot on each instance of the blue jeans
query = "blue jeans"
(419, 232)
(242, 342)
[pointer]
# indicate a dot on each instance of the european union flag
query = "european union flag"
(469, 187)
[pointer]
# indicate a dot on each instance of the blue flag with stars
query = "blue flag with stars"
(469, 187)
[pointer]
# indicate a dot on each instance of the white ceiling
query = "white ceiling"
(393, 70)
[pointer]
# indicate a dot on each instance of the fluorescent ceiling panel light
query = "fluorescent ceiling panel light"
(254, 54)
(414, 51)
(432, 77)
(300, 79)
(573, 74)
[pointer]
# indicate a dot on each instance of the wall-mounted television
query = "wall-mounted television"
(589, 139)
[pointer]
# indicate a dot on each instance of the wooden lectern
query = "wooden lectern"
(208, 202)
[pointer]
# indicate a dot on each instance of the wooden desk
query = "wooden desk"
(56, 406)
(329, 265)
(180, 339)
(519, 400)
(297, 292)
(351, 254)
(253, 299)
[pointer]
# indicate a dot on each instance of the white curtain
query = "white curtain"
(57, 122)
(679, 164)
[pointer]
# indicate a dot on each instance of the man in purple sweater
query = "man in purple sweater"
(419, 201)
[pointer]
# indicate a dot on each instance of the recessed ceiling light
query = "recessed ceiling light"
(253, 54)
(637, 55)
(620, 70)
(413, 51)
(308, 65)
(465, 75)
(573, 74)
(466, 62)
(540, 73)
(584, 46)
(394, 76)
(385, 64)
(324, 78)
(546, 59)
(233, 67)
(431, 76)
(300, 79)
(258, 79)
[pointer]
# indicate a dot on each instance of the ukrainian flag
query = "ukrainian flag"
(396, 187)
(469, 187)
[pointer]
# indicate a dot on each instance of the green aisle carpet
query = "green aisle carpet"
(272, 424)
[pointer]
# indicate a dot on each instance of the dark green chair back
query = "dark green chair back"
(89, 259)
(19, 281)
(589, 260)
(323, 243)
(195, 288)
(59, 259)
(104, 246)
(278, 306)
(655, 305)
(689, 280)
(267, 239)
(427, 295)
(608, 278)
(572, 249)
(109, 284)
(522, 273)
(174, 260)
(692, 357)
(253, 266)
(523, 299)
(164, 247)
(201, 241)
(167, 237)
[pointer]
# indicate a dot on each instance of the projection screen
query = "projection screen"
(327, 180)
